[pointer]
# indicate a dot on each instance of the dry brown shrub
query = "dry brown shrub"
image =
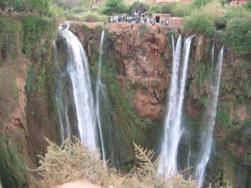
(72, 161)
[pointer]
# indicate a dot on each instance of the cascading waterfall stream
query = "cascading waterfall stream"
(172, 130)
(98, 90)
(207, 135)
(78, 70)
(212, 54)
(62, 103)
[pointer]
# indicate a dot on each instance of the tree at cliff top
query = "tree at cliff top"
(26, 4)
(113, 7)
(69, 4)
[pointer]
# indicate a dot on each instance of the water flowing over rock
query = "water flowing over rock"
(98, 88)
(212, 54)
(78, 71)
(173, 130)
(207, 134)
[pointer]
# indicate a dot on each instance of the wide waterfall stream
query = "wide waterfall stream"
(207, 134)
(78, 70)
(173, 130)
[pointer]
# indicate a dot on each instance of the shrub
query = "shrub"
(42, 5)
(168, 7)
(199, 22)
(236, 12)
(181, 10)
(36, 30)
(10, 35)
(238, 35)
(216, 12)
(248, 6)
(94, 17)
(13, 172)
(200, 3)
(72, 4)
(137, 6)
(113, 7)
(143, 29)
(155, 8)
(72, 161)
(8, 92)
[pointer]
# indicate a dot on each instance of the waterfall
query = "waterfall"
(207, 135)
(172, 131)
(78, 71)
(212, 54)
(61, 101)
(98, 88)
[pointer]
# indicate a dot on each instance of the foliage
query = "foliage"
(248, 6)
(143, 29)
(222, 118)
(181, 10)
(215, 10)
(155, 8)
(13, 172)
(94, 17)
(73, 4)
(72, 161)
(10, 34)
(137, 6)
(238, 35)
(113, 7)
(8, 92)
(237, 12)
(36, 30)
(200, 3)
(199, 22)
(42, 5)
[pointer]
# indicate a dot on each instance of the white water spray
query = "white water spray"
(207, 135)
(78, 70)
(98, 90)
(172, 132)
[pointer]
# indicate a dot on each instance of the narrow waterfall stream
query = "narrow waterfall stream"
(78, 71)
(61, 101)
(98, 90)
(212, 54)
(173, 130)
(207, 134)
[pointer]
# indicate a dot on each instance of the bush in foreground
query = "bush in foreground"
(72, 161)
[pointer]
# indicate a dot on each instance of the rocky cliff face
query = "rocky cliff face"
(140, 60)
(136, 71)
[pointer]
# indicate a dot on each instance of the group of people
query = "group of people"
(137, 17)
